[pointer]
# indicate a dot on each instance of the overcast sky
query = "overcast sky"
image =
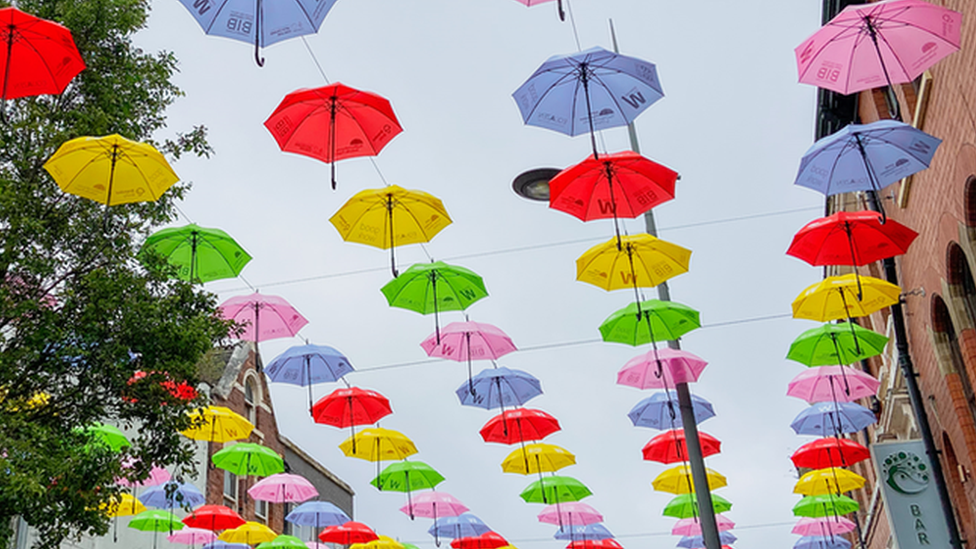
(733, 123)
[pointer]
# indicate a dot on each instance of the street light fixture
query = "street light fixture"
(534, 184)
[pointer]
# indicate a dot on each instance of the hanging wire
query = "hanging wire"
(315, 60)
(572, 22)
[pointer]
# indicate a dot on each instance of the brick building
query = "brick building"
(936, 275)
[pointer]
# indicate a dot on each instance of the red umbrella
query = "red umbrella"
(519, 425)
(850, 238)
(332, 123)
(488, 540)
(670, 447)
(608, 543)
(615, 185)
(829, 452)
(348, 533)
(349, 407)
(213, 517)
(36, 56)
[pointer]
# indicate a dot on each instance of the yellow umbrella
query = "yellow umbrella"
(111, 170)
(677, 480)
(378, 444)
(384, 542)
(831, 480)
(390, 217)
(538, 458)
(836, 297)
(641, 261)
(250, 533)
(218, 424)
(122, 505)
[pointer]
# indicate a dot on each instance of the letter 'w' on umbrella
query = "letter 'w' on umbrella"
(434, 287)
(38, 56)
(390, 217)
(332, 123)
(199, 253)
(639, 261)
(262, 22)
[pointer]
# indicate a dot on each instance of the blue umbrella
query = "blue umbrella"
(588, 91)
(462, 526)
(307, 365)
(172, 494)
(818, 542)
(824, 419)
(317, 514)
(698, 542)
(225, 545)
(499, 387)
(590, 531)
(263, 23)
(660, 411)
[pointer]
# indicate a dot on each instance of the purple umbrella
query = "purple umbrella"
(660, 411)
(594, 531)
(498, 388)
(698, 542)
(171, 494)
(825, 419)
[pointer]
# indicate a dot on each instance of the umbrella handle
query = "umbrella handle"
(562, 13)
(257, 35)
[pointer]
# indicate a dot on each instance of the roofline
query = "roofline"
(314, 463)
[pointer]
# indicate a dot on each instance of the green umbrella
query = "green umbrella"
(832, 344)
(825, 505)
(155, 521)
(409, 546)
(433, 287)
(649, 322)
(283, 542)
(247, 458)
(406, 476)
(108, 435)
(201, 254)
(555, 489)
(686, 506)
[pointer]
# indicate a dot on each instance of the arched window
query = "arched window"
(955, 477)
(970, 201)
(947, 347)
(250, 401)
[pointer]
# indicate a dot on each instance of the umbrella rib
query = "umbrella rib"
(566, 77)
(41, 58)
(83, 168)
(841, 35)
(217, 16)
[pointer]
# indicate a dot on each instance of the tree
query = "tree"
(79, 315)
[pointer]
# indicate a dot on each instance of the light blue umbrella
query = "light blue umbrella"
(824, 419)
(698, 542)
(172, 494)
(660, 411)
(818, 542)
(594, 531)
(263, 22)
(588, 91)
(462, 526)
(498, 388)
(225, 545)
(317, 514)
(307, 365)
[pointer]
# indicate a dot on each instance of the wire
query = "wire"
(316, 60)
(572, 22)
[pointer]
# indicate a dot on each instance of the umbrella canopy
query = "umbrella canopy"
(660, 411)
(283, 487)
(594, 531)
(332, 123)
(829, 452)
(434, 287)
(283, 542)
(594, 544)
(649, 322)
(836, 344)
(157, 476)
(698, 542)
(555, 489)
(349, 406)
(836, 297)
(488, 540)
(868, 46)
(850, 238)
(111, 170)
(38, 56)
(835, 383)
(317, 514)
(192, 536)
(249, 533)
(264, 316)
(635, 261)
(823, 526)
(537, 458)
(155, 520)
(407, 476)
(199, 253)
(247, 458)
(217, 424)
(677, 480)
(831, 480)
(519, 425)
(107, 435)
(825, 505)
(225, 545)
(377, 444)
(825, 419)
(348, 533)
(686, 506)
(122, 505)
(383, 542)
(467, 341)
(499, 387)
(390, 217)
(460, 526)
(669, 447)
(661, 369)
(623, 184)
(307, 365)
(173, 494)
(822, 542)
(434, 505)
(262, 23)
(573, 513)
(692, 526)
(213, 517)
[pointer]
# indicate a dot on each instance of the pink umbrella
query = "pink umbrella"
(192, 536)
(467, 341)
(692, 526)
(574, 514)
(283, 487)
(530, 3)
(265, 316)
(824, 526)
(661, 369)
(434, 504)
(832, 383)
(882, 43)
(317, 545)
(157, 476)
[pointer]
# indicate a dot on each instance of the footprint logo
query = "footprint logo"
(905, 473)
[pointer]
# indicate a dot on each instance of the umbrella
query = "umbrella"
(307, 365)
(850, 238)
(832, 418)
(519, 425)
(111, 170)
(39, 56)
(588, 532)
(349, 407)
(433, 505)
(573, 513)
(247, 458)
(382, 542)
(669, 447)
(263, 22)
(173, 494)
(555, 489)
(376, 445)
(407, 476)
(192, 536)
(390, 217)
(217, 424)
(661, 369)
(317, 514)
(822, 542)
(829, 452)
(499, 387)
(841, 343)
(264, 316)
(623, 184)
(225, 545)
(155, 521)
(836, 297)
(107, 435)
(249, 533)
(283, 542)
(649, 322)
(157, 475)
(537, 458)
(588, 91)
(433, 287)
(332, 123)
(594, 544)
(213, 517)
(123, 505)
(823, 526)
(831, 480)
(488, 540)
(825, 505)
(692, 526)
(348, 533)
(283, 487)
(698, 542)
(677, 480)
(868, 46)
(460, 526)
(835, 383)
(686, 506)
(637, 261)
(467, 341)
(200, 254)
(660, 411)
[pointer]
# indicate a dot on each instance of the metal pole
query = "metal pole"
(706, 513)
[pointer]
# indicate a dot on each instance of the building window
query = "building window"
(230, 488)
(261, 510)
(249, 401)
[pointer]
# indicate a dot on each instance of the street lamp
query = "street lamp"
(534, 184)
